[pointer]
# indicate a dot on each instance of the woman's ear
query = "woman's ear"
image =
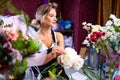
(42, 18)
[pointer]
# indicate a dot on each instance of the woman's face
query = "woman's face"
(50, 18)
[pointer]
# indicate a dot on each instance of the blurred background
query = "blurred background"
(71, 14)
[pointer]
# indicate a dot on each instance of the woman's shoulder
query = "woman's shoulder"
(59, 34)
(59, 37)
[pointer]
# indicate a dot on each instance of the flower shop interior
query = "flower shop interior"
(90, 27)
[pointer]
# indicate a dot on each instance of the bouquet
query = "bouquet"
(16, 45)
(106, 39)
(71, 60)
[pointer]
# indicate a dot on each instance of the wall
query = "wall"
(28, 6)
(79, 11)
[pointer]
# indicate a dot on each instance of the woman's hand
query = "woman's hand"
(56, 51)
(59, 60)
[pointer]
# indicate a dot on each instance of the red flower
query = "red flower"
(93, 37)
(5, 39)
(103, 33)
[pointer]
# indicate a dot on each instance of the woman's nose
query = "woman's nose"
(55, 19)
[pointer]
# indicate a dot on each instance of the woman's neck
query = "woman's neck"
(44, 31)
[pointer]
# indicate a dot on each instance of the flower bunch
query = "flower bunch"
(16, 44)
(94, 33)
(106, 38)
(71, 60)
(112, 29)
(94, 37)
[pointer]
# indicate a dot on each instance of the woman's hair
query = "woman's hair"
(43, 10)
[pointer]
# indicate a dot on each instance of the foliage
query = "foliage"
(88, 72)
(19, 68)
(26, 47)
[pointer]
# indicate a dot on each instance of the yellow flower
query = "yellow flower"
(95, 28)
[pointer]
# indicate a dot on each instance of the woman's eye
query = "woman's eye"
(51, 15)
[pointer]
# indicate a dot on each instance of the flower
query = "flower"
(112, 30)
(6, 51)
(78, 63)
(16, 44)
(71, 60)
(107, 39)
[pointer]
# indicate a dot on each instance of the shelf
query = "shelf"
(65, 31)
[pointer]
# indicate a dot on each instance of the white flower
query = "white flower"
(113, 17)
(70, 59)
(70, 51)
(78, 63)
(89, 24)
(109, 23)
(117, 22)
(66, 61)
(84, 23)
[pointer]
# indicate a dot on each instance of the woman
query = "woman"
(52, 42)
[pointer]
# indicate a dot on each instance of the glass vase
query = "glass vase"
(93, 58)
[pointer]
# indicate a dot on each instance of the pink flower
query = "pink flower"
(13, 35)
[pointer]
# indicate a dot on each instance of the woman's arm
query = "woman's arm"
(57, 50)
(60, 39)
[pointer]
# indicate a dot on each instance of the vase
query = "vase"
(93, 58)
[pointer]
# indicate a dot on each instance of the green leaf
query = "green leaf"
(27, 19)
(53, 71)
(23, 66)
(19, 67)
(33, 45)
(89, 73)
(116, 28)
(12, 9)
(52, 75)
(52, 66)
(3, 5)
(60, 78)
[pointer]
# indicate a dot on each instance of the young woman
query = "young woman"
(52, 42)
